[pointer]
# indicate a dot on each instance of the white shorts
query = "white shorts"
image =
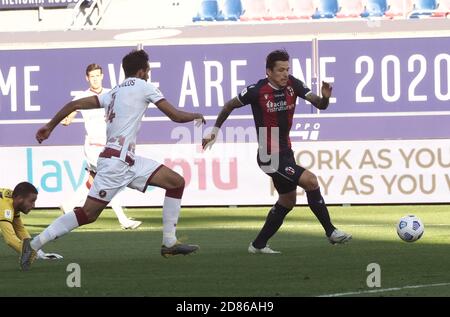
(91, 153)
(113, 175)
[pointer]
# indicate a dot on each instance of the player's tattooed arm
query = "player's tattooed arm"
(321, 102)
(223, 115)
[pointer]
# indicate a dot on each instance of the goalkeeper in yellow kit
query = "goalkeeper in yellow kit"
(12, 203)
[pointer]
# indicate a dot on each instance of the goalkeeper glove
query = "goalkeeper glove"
(48, 256)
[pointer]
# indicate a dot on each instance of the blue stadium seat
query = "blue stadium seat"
(326, 9)
(423, 8)
(374, 8)
(209, 10)
(231, 10)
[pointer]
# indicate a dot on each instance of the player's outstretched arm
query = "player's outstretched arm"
(177, 115)
(10, 236)
(229, 106)
(318, 102)
(83, 103)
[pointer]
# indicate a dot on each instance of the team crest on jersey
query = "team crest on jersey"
(102, 193)
(8, 213)
(290, 170)
(290, 91)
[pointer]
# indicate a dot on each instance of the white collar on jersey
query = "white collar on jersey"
(274, 87)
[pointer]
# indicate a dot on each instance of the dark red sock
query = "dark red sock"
(175, 192)
(81, 216)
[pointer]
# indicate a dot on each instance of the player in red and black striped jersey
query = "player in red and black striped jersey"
(273, 105)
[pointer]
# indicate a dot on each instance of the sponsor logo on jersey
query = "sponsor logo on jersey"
(278, 106)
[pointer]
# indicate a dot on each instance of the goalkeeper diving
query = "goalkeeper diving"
(12, 203)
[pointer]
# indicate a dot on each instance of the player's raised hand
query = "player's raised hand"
(326, 89)
(43, 133)
(210, 139)
(199, 119)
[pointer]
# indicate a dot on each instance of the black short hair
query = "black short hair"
(134, 61)
(24, 189)
(275, 56)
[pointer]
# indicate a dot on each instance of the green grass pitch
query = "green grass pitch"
(115, 262)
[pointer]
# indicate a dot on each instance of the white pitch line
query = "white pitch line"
(382, 290)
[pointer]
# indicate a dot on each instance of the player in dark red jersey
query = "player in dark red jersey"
(273, 105)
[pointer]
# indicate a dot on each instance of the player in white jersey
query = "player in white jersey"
(118, 166)
(95, 140)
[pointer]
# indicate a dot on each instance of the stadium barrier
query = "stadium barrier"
(384, 90)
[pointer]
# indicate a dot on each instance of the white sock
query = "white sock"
(77, 200)
(117, 208)
(171, 211)
(59, 227)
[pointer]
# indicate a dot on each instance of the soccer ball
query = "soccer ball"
(410, 228)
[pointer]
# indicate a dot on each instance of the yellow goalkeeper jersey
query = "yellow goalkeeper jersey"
(11, 224)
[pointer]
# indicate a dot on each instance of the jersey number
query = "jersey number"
(110, 114)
